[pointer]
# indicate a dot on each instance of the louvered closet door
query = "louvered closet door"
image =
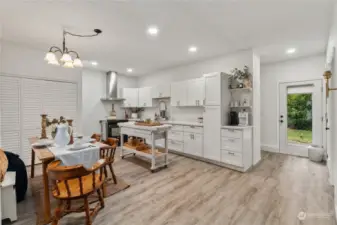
(31, 109)
(10, 114)
(60, 99)
(68, 97)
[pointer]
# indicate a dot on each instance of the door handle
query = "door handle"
(327, 128)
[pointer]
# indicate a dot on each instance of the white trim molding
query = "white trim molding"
(270, 148)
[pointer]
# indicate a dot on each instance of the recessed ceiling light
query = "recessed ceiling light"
(129, 70)
(94, 63)
(153, 31)
(291, 51)
(192, 49)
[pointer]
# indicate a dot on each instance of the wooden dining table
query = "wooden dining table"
(46, 156)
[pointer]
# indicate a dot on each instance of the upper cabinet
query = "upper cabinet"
(213, 89)
(179, 93)
(145, 99)
(196, 92)
(131, 97)
(161, 91)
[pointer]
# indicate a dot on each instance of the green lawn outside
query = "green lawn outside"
(299, 136)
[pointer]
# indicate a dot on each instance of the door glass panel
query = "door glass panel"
(299, 108)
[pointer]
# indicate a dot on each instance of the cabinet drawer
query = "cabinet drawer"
(177, 128)
(194, 129)
(232, 158)
(176, 135)
(176, 145)
(232, 144)
(232, 133)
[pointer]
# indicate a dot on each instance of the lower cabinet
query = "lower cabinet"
(193, 143)
(176, 145)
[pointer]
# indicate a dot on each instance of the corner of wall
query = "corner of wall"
(256, 108)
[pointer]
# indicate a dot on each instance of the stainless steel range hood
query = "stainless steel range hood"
(111, 87)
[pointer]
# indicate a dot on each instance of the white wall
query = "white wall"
(271, 74)
(93, 109)
(331, 57)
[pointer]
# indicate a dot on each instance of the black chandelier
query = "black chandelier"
(66, 60)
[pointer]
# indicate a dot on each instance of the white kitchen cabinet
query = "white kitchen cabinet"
(193, 144)
(212, 133)
(213, 89)
(161, 91)
(196, 92)
(144, 97)
(179, 93)
(131, 97)
(237, 147)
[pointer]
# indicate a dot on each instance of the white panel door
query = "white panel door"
(213, 89)
(10, 114)
(212, 132)
(31, 109)
(293, 139)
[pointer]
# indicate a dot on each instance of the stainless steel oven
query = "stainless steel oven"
(109, 128)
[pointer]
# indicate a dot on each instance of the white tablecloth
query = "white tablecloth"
(87, 156)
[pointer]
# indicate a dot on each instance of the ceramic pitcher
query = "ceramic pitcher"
(62, 137)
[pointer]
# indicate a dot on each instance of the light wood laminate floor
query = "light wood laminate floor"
(193, 192)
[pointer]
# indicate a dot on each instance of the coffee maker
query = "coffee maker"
(233, 118)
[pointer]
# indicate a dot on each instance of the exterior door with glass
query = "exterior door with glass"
(300, 116)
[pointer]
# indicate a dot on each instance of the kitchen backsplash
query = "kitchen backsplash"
(188, 114)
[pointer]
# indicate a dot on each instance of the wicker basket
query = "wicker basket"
(3, 165)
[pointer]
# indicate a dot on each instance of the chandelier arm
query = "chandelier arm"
(80, 35)
(56, 49)
(77, 55)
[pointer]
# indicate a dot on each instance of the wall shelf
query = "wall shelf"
(241, 89)
(249, 107)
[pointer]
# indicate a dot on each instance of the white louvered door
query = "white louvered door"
(10, 114)
(22, 101)
(31, 109)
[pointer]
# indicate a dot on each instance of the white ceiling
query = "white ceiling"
(216, 27)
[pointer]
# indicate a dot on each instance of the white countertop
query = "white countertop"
(186, 123)
(237, 127)
(150, 128)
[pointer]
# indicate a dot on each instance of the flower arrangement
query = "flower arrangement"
(242, 77)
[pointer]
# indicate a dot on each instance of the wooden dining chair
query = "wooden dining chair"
(108, 153)
(76, 182)
(97, 137)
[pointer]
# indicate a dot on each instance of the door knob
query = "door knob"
(281, 121)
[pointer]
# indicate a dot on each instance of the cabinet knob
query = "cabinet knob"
(231, 153)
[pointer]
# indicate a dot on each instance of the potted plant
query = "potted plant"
(242, 78)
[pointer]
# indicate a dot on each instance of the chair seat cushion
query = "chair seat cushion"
(74, 186)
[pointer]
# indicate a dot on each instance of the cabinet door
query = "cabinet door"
(212, 133)
(179, 93)
(131, 97)
(213, 90)
(193, 144)
(161, 91)
(196, 92)
(188, 143)
(145, 99)
(197, 144)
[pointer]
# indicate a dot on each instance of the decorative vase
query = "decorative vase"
(70, 131)
(62, 137)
